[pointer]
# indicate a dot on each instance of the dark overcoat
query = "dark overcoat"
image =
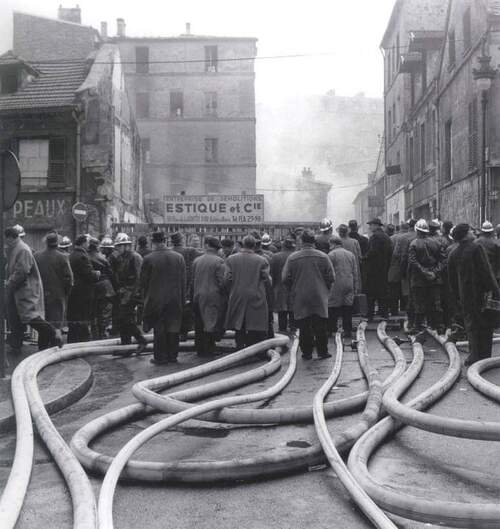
(309, 274)
(247, 280)
(57, 279)
(492, 248)
(24, 287)
(84, 280)
(399, 243)
(104, 287)
(470, 277)
(282, 301)
(208, 290)
(163, 284)
(376, 264)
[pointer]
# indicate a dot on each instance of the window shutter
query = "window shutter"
(57, 160)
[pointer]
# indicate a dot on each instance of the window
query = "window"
(451, 49)
(211, 148)
(142, 104)
(448, 145)
(176, 104)
(423, 139)
(389, 126)
(146, 148)
(210, 103)
(91, 129)
(389, 64)
(411, 163)
(9, 80)
(424, 71)
(433, 137)
(416, 157)
(466, 30)
(34, 162)
(473, 134)
(394, 120)
(57, 160)
(412, 90)
(142, 59)
(398, 52)
(211, 58)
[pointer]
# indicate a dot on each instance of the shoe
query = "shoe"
(141, 348)
(173, 361)
(323, 356)
(470, 360)
(306, 356)
(58, 341)
(354, 345)
(421, 337)
(159, 362)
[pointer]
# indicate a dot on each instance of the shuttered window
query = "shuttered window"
(57, 160)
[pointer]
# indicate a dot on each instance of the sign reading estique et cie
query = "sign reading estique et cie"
(214, 209)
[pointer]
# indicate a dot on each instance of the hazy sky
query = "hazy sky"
(349, 31)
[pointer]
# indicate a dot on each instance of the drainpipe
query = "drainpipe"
(77, 116)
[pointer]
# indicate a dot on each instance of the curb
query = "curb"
(59, 402)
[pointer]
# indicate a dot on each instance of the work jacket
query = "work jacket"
(127, 274)
(400, 243)
(282, 301)
(425, 255)
(84, 280)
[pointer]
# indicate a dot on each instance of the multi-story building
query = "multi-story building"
(433, 101)
(70, 125)
(411, 46)
(194, 100)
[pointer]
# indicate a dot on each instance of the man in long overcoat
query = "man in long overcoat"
(24, 295)
(57, 280)
(247, 281)
(345, 287)
(209, 300)
(376, 264)
(394, 277)
(81, 297)
(282, 301)
(163, 284)
(308, 274)
(471, 278)
(190, 254)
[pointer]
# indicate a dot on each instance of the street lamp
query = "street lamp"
(483, 77)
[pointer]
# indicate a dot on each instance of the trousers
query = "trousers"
(480, 338)
(286, 321)
(344, 312)
(313, 333)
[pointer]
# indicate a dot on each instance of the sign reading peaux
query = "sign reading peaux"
(214, 209)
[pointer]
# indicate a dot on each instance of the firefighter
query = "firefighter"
(65, 245)
(323, 239)
(128, 268)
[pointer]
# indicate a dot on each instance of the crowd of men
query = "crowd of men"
(440, 275)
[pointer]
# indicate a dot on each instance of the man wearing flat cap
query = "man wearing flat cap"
(163, 284)
(376, 263)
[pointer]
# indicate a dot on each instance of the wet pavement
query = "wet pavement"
(420, 463)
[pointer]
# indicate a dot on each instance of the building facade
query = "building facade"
(194, 100)
(433, 120)
(71, 127)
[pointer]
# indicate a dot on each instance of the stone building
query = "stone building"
(194, 100)
(412, 47)
(70, 124)
(433, 116)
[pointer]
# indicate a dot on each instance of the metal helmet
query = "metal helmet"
(325, 225)
(487, 227)
(122, 238)
(107, 242)
(65, 242)
(93, 241)
(422, 226)
(20, 230)
(266, 239)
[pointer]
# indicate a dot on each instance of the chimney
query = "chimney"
(120, 27)
(188, 28)
(104, 30)
(70, 14)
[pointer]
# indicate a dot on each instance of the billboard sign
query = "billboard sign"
(214, 209)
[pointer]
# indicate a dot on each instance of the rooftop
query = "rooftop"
(53, 86)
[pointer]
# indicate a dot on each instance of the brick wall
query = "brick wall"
(39, 38)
